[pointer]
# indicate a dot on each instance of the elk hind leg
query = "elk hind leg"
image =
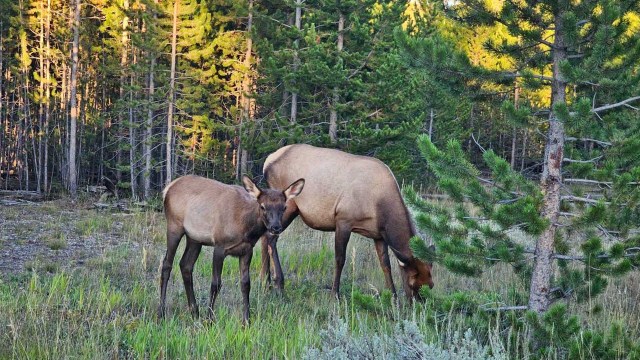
(216, 277)
(191, 253)
(174, 235)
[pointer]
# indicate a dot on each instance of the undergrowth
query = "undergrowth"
(105, 308)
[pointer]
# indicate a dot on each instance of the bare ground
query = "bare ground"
(54, 235)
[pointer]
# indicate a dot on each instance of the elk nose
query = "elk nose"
(276, 229)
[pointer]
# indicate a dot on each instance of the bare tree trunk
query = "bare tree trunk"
(431, 116)
(25, 130)
(516, 97)
(62, 119)
(333, 114)
(551, 180)
(148, 142)
(41, 105)
(47, 98)
(73, 105)
(5, 128)
(122, 96)
(23, 104)
(133, 169)
(172, 85)
(243, 154)
(524, 150)
(296, 61)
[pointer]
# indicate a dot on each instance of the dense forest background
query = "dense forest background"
(143, 91)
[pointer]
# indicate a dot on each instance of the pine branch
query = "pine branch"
(629, 252)
(492, 183)
(477, 143)
(504, 308)
(582, 199)
(509, 75)
(599, 142)
(583, 161)
(613, 106)
(592, 182)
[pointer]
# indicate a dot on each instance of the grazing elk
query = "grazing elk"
(227, 217)
(345, 193)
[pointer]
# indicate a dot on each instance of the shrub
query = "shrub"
(406, 342)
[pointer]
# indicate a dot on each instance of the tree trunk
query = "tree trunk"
(133, 169)
(296, 61)
(551, 181)
(148, 143)
(73, 104)
(5, 128)
(431, 116)
(47, 99)
(516, 97)
(172, 85)
(524, 150)
(41, 105)
(243, 153)
(124, 98)
(333, 114)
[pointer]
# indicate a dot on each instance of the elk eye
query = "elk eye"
(262, 207)
(285, 209)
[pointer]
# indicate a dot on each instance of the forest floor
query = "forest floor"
(76, 282)
(54, 236)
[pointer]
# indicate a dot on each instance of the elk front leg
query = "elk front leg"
(278, 275)
(265, 260)
(216, 278)
(270, 263)
(245, 284)
(342, 239)
(383, 256)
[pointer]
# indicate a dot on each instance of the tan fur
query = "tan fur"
(349, 193)
(344, 187)
(229, 218)
(208, 210)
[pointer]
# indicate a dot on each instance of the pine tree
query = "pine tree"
(587, 191)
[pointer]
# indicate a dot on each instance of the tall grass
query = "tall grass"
(105, 308)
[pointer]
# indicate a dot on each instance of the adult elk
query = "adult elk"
(227, 217)
(345, 193)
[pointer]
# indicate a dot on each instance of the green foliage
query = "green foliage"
(559, 334)
(615, 344)
(467, 243)
(554, 331)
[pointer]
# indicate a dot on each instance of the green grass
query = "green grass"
(57, 241)
(106, 308)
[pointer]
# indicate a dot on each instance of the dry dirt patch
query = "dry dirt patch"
(55, 235)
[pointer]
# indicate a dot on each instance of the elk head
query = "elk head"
(273, 203)
(415, 274)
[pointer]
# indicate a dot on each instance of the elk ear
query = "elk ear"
(251, 187)
(294, 189)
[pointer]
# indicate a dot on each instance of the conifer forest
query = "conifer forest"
(511, 126)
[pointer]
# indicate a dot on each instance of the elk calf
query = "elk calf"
(229, 218)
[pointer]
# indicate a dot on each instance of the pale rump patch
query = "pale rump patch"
(274, 156)
(166, 189)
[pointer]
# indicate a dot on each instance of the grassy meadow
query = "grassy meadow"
(81, 283)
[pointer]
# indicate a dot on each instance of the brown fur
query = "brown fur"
(229, 218)
(347, 193)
